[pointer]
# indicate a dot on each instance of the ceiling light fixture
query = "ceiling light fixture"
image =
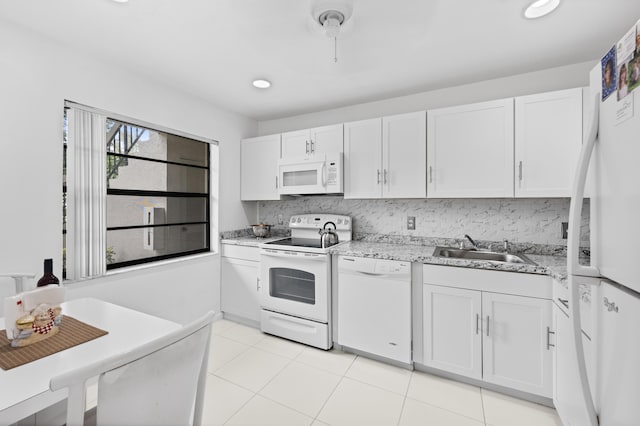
(121, 1)
(261, 83)
(331, 16)
(540, 8)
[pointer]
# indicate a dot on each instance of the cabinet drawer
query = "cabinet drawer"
(531, 285)
(241, 252)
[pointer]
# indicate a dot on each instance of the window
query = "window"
(133, 194)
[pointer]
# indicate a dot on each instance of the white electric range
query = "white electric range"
(295, 280)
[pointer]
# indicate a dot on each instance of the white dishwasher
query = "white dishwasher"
(374, 306)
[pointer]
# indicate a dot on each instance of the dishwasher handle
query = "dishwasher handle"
(400, 276)
(370, 274)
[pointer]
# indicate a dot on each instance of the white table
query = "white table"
(25, 390)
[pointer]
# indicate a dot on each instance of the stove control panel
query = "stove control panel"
(318, 221)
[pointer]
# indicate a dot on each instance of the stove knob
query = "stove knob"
(293, 219)
(339, 221)
(299, 220)
(346, 221)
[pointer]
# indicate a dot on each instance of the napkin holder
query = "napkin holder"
(33, 316)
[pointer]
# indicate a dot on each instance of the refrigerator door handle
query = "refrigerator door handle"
(577, 197)
(573, 250)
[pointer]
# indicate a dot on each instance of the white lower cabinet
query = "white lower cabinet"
(452, 339)
(516, 346)
(240, 269)
(499, 338)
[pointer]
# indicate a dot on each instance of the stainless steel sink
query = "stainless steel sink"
(455, 253)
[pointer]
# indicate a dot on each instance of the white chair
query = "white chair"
(160, 383)
(18, 278)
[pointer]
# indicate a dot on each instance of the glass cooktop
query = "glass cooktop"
(298, 242)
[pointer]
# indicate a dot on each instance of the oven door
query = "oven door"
(295, 283)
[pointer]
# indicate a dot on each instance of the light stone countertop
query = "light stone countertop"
(554, 266)
(546, 265)
(249, 241)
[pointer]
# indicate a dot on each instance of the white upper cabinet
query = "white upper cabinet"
(548, 137)
(404, 152)
(309, 142)
(470, 150)
(259, 168)
(386, 157)
(363, 159)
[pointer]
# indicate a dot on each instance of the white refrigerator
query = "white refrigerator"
(606, 386)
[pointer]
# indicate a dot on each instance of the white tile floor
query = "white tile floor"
(257, 379)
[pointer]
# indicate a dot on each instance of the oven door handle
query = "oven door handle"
(293, 255)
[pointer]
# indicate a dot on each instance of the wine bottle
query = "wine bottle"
(48, 277)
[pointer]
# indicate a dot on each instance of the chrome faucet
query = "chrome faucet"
(505, 246)
(473, 243)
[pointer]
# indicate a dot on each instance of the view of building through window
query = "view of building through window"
(157, 197)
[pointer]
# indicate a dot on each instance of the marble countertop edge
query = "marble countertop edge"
(555, 266)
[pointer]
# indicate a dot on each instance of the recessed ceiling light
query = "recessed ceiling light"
(120, 1)
(540, 8)
(261, 84)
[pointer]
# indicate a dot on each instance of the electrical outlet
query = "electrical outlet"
(411, 223)
(280, 219)
(565, 230)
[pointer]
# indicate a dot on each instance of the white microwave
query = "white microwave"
(320, 174)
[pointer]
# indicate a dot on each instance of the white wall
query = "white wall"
(36, 77)
(576, 75)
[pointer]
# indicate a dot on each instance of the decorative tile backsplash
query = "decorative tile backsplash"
(530, 220)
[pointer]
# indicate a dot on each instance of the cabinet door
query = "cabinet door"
(239, 288)
(470, 150)
(548, 137)
(327, 139)
(452, 330)
(404, 156)
(567, 393)
(296, 144)
(516, 345)
(259, 168)
(363, 159)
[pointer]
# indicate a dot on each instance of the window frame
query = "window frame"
(134, 192)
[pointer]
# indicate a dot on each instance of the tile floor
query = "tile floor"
(257, 379)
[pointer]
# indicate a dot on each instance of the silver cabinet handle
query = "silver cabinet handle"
(520, 173)
(549, 333)
(307, 147)
(313, 149)
(430, 174)
(258, 284)
(487, 325)
(477, 323)
(385, 176)
(276, 182)
(378, 176)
